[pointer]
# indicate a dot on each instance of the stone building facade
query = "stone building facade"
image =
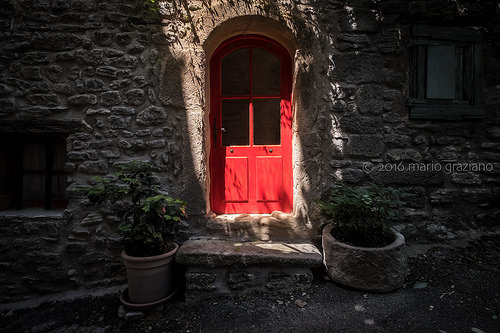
(122, 80)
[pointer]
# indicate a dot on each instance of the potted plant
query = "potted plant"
(148, 219)
(360, 249)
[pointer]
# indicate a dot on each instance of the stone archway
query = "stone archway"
(242, 26)
(194, 41)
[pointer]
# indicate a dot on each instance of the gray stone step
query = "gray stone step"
(216, 267)
(274, 226)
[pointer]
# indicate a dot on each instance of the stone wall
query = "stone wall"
(123, 80)
(99, 72)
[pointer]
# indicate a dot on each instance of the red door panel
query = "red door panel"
(236, 179)
(250, 119)
(269, 178)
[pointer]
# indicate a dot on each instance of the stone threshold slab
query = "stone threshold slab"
(222, 253)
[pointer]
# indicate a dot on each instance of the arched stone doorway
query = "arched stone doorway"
(238, 31)
(251, 122)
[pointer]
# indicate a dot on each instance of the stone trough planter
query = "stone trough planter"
(371, 269)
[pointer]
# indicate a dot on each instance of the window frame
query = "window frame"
(447, 109)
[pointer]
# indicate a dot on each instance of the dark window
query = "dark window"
(445, 73)
(250, 82)
(32, 171)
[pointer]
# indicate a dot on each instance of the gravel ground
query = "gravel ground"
(448, 290)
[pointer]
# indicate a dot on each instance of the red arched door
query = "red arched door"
(251, 125)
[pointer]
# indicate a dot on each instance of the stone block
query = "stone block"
(361, 125)
(107, 71)
(5, 90)
(63, 88)
(111, 98)
(409, 177)
(92, 258)
(283, 280)
(124, 313)
(156, 143)
(103, 38)
(357, 68)
(93, 167)
(355, 41)
(221, 253)
(43, 99)
(151, 115)
(95, 84)
(125, 61)
(7, 106)
(490, 156)
(439, 232)
(79, 145)
(135, 96)
(350, 175)
(365, 145)
(55, 41)
(494, 134)
(76, 247)
(466, 178)
(397, 155)
(119, 122)
(49, 229)
(38, 257)
(417, 199)
(123, 110)
(243, 279)
(396, 140)
(480, 196)
(445, 195)
(5, 245)
(200, 281)
(359, 20)
(82, 100)
(27, 244)
(31, 73)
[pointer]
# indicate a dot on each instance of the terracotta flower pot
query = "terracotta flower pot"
(371, 269)
(149, 278)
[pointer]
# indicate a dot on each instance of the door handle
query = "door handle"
(222, 129)
(271, 150)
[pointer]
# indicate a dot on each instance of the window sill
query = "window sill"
(445, 112)
(33, 213)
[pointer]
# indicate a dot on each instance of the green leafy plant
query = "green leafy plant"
(148, 217)
(363, 216)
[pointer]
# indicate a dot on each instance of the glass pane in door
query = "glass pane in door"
(266, 121)
(235, 77)
(265, 73)
(235, 122)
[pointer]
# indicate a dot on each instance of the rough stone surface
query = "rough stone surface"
(211, 282)
(217, 253)
(120, 81)
(217, 267)
(370, 269)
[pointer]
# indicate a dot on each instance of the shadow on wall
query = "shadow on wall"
(183, 107)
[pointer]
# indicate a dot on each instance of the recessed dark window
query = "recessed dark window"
(445, 73)
(32, 171)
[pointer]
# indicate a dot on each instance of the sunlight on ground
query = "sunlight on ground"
(284, 248)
